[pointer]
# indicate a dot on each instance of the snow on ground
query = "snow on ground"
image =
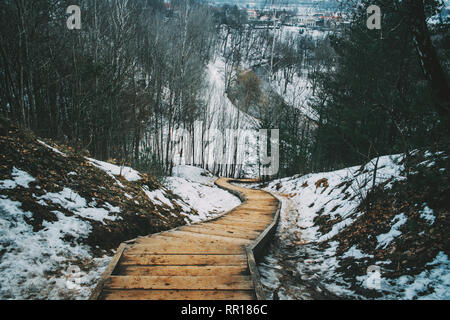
(438, 277)
(222, 119)
(73, 202)
(296, 89)
(386, 238)
(196, 188)
(36, 265)
(51, 148)
(295, 92)
(194, 174)
(113, 170)
(21, 178)
(158, 196)
(350, 183)
(33, 265)
(220, 107)
(224, 116)
(287, 31)
(53, 262)
(428, 214)
(304, 262)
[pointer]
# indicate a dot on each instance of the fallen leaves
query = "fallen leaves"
(51, 173)
(322, 183)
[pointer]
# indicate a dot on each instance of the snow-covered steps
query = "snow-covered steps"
(208, 261)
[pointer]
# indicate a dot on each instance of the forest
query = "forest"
(120, 87)
(131, 117)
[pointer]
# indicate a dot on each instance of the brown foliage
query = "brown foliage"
(322, 183)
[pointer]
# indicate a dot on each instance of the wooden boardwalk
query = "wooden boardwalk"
(213, 260)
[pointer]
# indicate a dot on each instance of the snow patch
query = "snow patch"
(386, 238)
(34, 264)
(158, 197)
(113, 170)
(428, 214)
(72, 201)
(51, 148)
(20, 178)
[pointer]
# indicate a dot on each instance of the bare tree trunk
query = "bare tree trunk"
(428, 57)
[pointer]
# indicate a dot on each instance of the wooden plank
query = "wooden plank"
(255, 207)
(255, 276)
(165, 238)
(267, 219)
(251, 219)
(235, 232)
(178, 295)
(250, 215)
(254, 225)
(192, 234)
(261, 242)
(258, 246)
(183, 260)
(214, 225)
(237, 226)
(233, 229)
(164, 247)
(218, 232)
(182, 270)
(214, 260)
(180, 282)
(105, 276)
(267, 211)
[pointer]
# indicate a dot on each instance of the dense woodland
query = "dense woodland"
(388, 90)
(136, 72)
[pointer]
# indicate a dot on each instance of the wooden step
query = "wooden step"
(226, 282)
(164, 247)
(193, 234)
(170, 245)
(218, 232)
(225, 231)
(232, 228)
(253, 225)
(181, 270)
(206, 261)
(183, 260)
(178, 295)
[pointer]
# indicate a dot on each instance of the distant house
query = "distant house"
(330, 20)
(252, 14)
(306, 21)
(320, 23)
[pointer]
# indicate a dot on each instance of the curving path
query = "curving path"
(207, 261)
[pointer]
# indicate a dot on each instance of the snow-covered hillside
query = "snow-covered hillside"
(295, 87)
(63, 215)
(224, 117)
(196, 187)
(221, 110)
(295, 91)
(333, 242)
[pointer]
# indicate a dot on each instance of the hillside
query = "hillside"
(62, 215)
(119, 120)
(336, 225)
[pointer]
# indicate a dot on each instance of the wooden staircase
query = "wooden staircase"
(213, 260)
